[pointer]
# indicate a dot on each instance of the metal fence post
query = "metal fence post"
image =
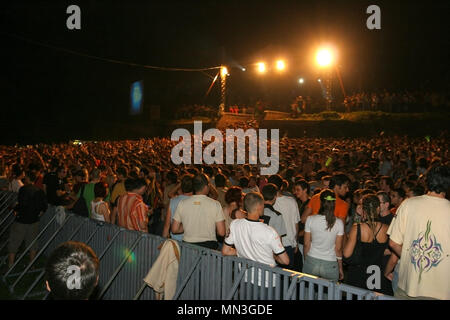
(116, 272)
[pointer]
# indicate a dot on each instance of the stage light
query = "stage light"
(224, 71)
(324, 57)
(319, 80)
(261, 67)
(301, 80)
(280, 65)
(243, 69)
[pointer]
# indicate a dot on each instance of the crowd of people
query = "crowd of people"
(406, 101)
(383, 100)
(335, 208)
(196, 110)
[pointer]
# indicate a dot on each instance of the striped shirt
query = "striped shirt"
(132, 212)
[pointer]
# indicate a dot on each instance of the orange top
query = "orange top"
(132, 212)
(340, 209)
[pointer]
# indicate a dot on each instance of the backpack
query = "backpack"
(80, 207)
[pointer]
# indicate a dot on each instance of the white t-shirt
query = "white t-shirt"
(254, 240)
(94, 207)
(199, 215)
(291, 216)
(323, 241)
(422, 227)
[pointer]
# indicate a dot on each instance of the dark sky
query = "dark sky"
(37, 82)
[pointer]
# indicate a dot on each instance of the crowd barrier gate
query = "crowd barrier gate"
(126, 257)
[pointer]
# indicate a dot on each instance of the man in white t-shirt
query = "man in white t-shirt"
(199, 216)
(289, 210)
(420, 236)
(253, 239)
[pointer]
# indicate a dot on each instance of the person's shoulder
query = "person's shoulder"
(213, 202)
(315, 198)
(263, 228)
(341, 202)
(235, 223)
(339, 223)
(291, 199)
(313, 218)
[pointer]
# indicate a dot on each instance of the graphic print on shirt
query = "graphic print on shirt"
(425, 252)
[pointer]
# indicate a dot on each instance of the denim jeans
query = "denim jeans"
(325, 269)
(395, 278)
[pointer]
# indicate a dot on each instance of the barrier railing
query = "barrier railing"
(126, 257)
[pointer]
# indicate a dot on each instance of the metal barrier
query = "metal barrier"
(126, 256)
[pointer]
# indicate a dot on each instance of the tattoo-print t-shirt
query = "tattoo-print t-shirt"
(422, 226)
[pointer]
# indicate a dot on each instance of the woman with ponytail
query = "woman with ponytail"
(323, 240)
(372, 239)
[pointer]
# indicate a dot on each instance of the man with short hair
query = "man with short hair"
(419, 235)
(186, 191)
(171, 183)
(339, 184)
(54, 185)
(289, 211)
(397, 197)
(271, 216)
(220, 181)
(199, 217)
(301, 192)
(118, 189)
(72, 259)
(408, 187)
(386, 215)
(386, 184)
(32, 203)
(253, 239)
(131, 210)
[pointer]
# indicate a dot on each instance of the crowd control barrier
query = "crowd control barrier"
(126, 257)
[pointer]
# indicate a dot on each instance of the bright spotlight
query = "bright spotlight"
(301, 80)
(324, 57)
(243, 69)
(280, 65)
(319, 80)
(224, 71)
(261, 67)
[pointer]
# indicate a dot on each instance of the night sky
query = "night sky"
(44, 85)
